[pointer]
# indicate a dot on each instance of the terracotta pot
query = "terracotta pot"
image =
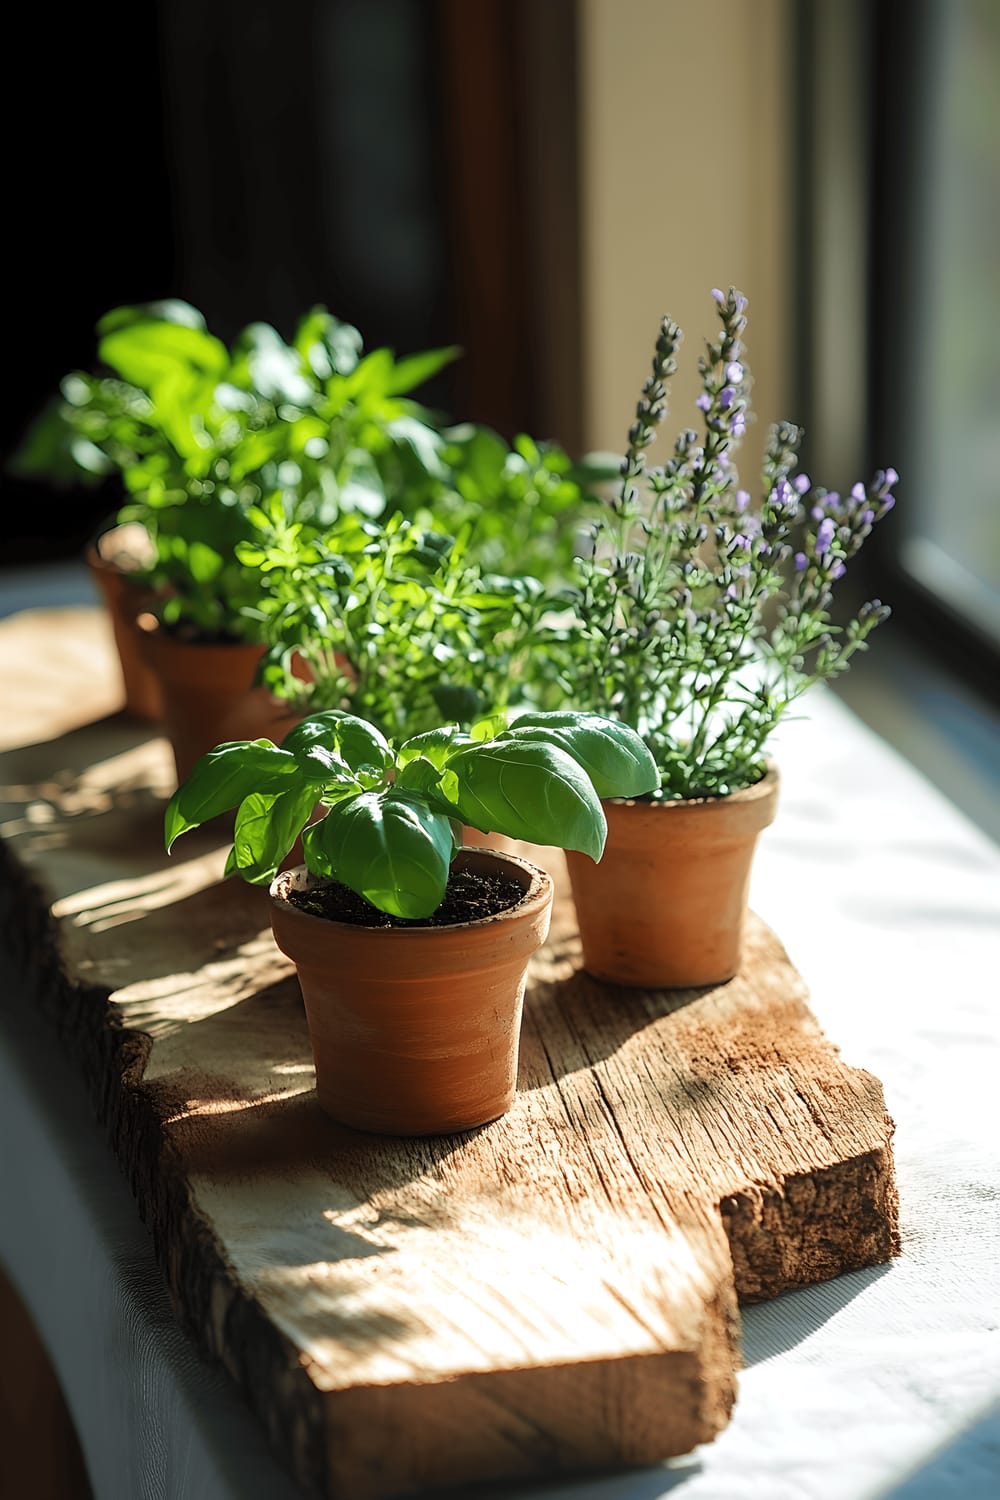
(415, 1030)
(200, 686)
(124, 600)
(259, 715)
(666, 906)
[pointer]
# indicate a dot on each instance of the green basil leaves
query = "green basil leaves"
(388, 831)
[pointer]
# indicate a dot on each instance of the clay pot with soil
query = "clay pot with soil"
(415, 1026)
(412, 985)
(116, 559)
(703, 615)
(667, 905)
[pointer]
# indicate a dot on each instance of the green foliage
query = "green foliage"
(393, 622)
(524, 507)
(315, 429)
(389, 831)
(615, 759)
(697, 617)
(222, 778)
(201, 434)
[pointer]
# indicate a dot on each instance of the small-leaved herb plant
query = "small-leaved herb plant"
(700, 615)
(392, 817)
(524, 508)
(391, 622)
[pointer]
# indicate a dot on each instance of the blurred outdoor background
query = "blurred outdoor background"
(538, 181)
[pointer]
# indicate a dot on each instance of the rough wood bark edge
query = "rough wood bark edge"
(306, 1427)
(806, 1219)
(318, 1436)
(202, 1287)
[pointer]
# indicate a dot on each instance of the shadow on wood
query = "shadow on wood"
(551, 1293)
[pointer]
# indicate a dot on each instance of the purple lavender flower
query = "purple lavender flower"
(783, 497)
(694, 498)
(824, 535)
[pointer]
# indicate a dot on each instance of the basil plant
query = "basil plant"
(391, 819)
(199, 433)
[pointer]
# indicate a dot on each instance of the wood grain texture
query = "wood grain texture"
(553, 1292)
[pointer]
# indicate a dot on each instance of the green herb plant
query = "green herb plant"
(393, 817)
(200, 433)
(524, 507)
(700, 618)
(392, 622)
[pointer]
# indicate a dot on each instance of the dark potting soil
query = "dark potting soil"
(468, 898)
(189, 634)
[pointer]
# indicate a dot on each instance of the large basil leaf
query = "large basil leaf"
(167, 310)
(526, 790)
(435, 745)
(327, 345)
(613, 756)
(423, 779)
(274, 369)
(151, 350)
(413, 371)
(389, 847)
(267, 825)
(357, 742)
(221, 780)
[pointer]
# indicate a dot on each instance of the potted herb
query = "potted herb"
(701, 617)
(524, 507)
(199, 434)
(393, 622)
(119, 559)
(411, 950)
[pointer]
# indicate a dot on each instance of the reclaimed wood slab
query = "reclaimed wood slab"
(551, 1293)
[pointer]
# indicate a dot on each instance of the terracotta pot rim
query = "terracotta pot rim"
(95, 557)
(537, 895)
(765, 787)
(96, 560)
(155, 635)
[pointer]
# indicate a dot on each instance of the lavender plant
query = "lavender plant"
(702, 616)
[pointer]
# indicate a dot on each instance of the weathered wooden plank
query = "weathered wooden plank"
(552, 1292)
